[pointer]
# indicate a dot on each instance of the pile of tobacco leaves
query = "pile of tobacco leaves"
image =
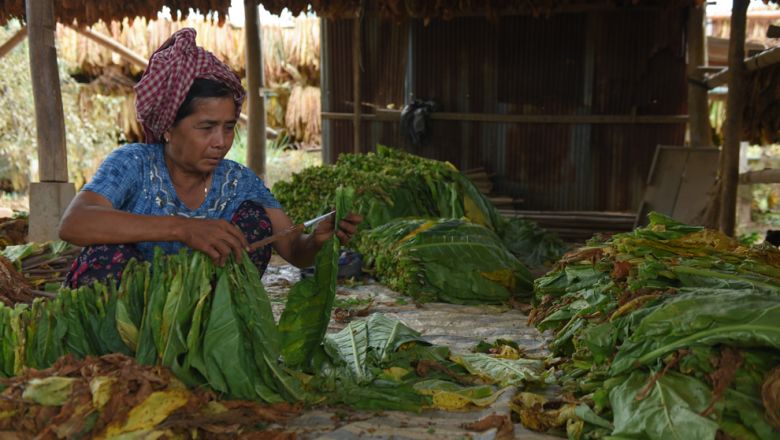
(391, 184)
(446, 260)
(212, 328)
(669, 331)
(113, 396)
(43, 265)
(394, 187)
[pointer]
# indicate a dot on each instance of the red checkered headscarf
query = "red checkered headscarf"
(165, 83)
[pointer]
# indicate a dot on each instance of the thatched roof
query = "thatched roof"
(90, 11)
(447, 9)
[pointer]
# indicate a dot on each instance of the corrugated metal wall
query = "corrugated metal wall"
(600, 63)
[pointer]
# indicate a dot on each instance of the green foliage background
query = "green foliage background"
(91, 121)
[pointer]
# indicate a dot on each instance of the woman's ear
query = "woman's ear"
(167, 136)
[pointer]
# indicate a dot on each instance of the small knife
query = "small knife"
(292, 229)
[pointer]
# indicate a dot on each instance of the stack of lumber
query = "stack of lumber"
(484, 183)
(577, 226)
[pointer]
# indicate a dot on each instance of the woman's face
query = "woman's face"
(198, 142)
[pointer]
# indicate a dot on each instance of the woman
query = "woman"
(177, 189)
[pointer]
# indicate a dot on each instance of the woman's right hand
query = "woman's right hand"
(215, 238)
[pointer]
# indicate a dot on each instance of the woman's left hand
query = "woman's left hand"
(346, 230)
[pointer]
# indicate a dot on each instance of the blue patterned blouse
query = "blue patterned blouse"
(134, 178)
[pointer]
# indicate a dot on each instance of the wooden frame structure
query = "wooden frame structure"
(735, 77)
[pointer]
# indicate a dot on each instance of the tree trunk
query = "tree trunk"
(255, 145)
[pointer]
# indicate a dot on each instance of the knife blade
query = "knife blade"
(287, 231)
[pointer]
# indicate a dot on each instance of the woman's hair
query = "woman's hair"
(201, 88)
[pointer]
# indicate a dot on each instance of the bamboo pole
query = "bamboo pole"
(761, 60)
(255, 151)
(113, 45)
(49, 117)
(12, 42)
(698, 105)
(729, 159)
(357, 51)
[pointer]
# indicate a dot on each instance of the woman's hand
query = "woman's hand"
(215, 238)
(347, 229)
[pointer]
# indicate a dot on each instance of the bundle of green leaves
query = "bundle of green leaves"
(392, 184)
(213, 327)
(209, 325)
(445, 260)
(669, 331)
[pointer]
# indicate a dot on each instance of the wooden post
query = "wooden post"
(12, 42)
(50, 197)
(357, 97)
(729, 158)
(698, 105)
(255, 145)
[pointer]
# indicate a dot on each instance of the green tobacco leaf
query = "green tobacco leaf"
(350, 347)
(702, 317)
(147, 350)
(49, 391)
(368, 344)
(385, 335)
(669, 411)
(307, 312)
(19, 252)
(503, 372)
(228, 365)
(450, 395)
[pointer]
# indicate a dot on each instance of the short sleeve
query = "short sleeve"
(258, 192)
(118, 177)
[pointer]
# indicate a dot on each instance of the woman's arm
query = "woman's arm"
(91, 219)
(300, 249)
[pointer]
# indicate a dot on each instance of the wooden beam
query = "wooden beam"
(112, 44)
(49, 118)
(698, 105)
(766, 58)
(357, 51)
(762, 176)
(386, 116)
(735, 105)
(12, 42)
(255, 151)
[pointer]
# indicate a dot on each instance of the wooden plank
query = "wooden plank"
(698, 102)
(49, 119)
(524, 119)
(12, 42)
(735, 105)
(762, 176)
(701, 172)
(357, 44)
(255, 151)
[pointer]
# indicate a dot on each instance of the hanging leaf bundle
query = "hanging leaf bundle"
(669, 331)
(445, 260)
